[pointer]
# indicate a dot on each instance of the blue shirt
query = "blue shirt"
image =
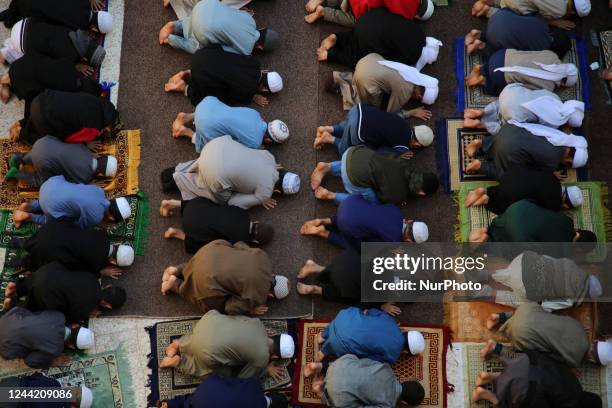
(214, 119)
(371, 334)
(226, 392)
(86, 204)
(359, 220)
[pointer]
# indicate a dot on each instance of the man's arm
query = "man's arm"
(38, 359)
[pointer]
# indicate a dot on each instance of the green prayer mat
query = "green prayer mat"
(441, 3)
(592, 215)
(593, 378)
(6, 274)
(106, 374)
(132, 231)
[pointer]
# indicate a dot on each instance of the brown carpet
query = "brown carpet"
(303, 104)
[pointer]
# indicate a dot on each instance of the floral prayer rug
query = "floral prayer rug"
(593, 378)
(476, 98)
(452, 140)
(604, 38)
(428, 368)
(168, 383)
(467, 320)
(106, 374)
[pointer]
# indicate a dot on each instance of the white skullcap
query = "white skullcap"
(416, 342)
(17, 37)
(580, 158)
(604, 352)
(571, 80)
(430, 95)
(125, 255)
(420, 232)
(595, 289)
(86, 397)
(275, 82)
(287, 346)
(424, 135)
(84, 339)
(105, 22)
(583, 7)
(111, 166)
(574, 195)
(429, 53)
(575, 119)
(278, 131)
(124, 207)
(429, 12)
(281, 287)
(291, 183)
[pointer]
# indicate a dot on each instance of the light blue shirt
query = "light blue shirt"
(214, 119)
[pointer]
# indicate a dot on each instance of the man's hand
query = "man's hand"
(420, 113)
(259, 310)
(562, 176)
(274, 371)
(269, 204)
(84, 69)
(14, 131)
(96, 5)
(60, 361)
(111, 272)
(391, 309)
(407, 156)
(95, 313)
(260, 100)
(562, 24)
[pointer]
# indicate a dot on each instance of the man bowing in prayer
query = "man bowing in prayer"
(213, 118)
(234, 279)
(555, 11)
(229, 173)
(85, 205)
(212, 22)
(347, 12)
(359, 220)
(228, 346)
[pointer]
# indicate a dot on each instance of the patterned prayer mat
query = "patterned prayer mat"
(592, 215)
(106, 374)
(593, 378)
(428, 368)
(125, 147)
(452, 140)
(7, 274)
(604, 38)
(467, 320)
(476, 98)
(166, 383)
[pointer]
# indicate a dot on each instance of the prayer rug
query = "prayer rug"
(604, 40)
(132, 231)
(592, 215)
(7, 274)
(108, 72)
(476, 98)
(125, 147)
(428, 368)
(593, 378)
(467, 320)
(452, 140)
(166, 383)
(106, 374)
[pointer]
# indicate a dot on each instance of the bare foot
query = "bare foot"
(168, 206)
(315, 15)
(472, 36)
(10, 290)
(492, 321)
(172, 349)
(174, 233)
(472, 113)
(322, 129)
(178, 126)
(304, 289)
(166, 3)
(312, 227)
(607, 73)
(476, 46)
(319, 356)
(472, 123)
(170, 362)
(312, 5)
(320, 339)
(5, 93)
(487, 349)
(168, 272)
(318, 174)
(328, 42)
(480, 9)
(324, 138)
(324, 194)
(474, 195)
(321, 54)
(165, 32)
(473, 166)
(24, 207)
(473, 147)
(6, 305)
(169, 285)
(310, 267)
(19, 217)
(178, 86)
(311, 369)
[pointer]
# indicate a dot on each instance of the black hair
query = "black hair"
(276, 345)
(113, 209)
(115, 296)
(279, 182)
(560, 42)
(413, 393)
(586, 236)
(262, 36)
(590, 400)
(167, 180)
(262, 233)
(430, 183)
